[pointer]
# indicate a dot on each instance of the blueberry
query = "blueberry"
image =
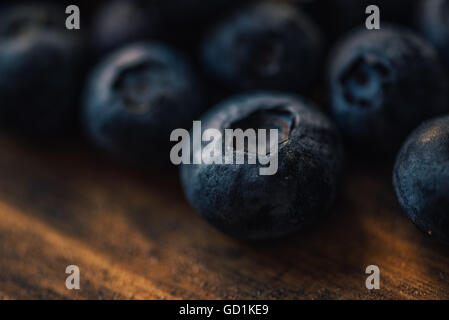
(40, 63)
(434, 23)
(340, 16)
(383, 84)
(421, 177)
(240, 201)
(264, 46)
(121, 22)
(136, 97)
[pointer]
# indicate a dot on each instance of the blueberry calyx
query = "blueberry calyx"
(364, 81)
(260, 54)
(134, 86)
(279, 118)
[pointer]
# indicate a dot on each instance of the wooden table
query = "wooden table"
(133, 236)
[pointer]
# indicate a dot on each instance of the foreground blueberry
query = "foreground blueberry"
(421, 177)
(136, 97)
(434, 23)
(40, 63)
(265, 45)
(383, 84)
(240, 201)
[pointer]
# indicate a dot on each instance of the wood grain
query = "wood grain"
(135, 237)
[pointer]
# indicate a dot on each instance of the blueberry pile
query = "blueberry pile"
(138, 70)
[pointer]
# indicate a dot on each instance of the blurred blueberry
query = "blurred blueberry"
(384, 83)
(265, 45)
(434, 23)
(421, 177)
(337, 17)
(136, 97)
(121, 22)
(40, 70)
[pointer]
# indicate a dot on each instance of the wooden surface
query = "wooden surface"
(135, 237)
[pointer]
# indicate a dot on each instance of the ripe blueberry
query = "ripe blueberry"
(40, 64)
(339, 16)
(242, 203)
(383, 84)
(121, 22)
(266, 45)
(136, 97)
(434, 23)
(421, 177)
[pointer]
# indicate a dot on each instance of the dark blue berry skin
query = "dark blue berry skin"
(240, 202)
(382, 84)
(264, 46)
(121, 22)
(40, 71)
(434, 24)
(136, 97)
(337, 17)
(421, 177)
